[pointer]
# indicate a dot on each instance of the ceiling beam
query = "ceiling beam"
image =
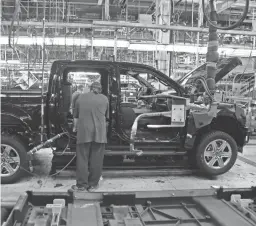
(224, 5)
(48, 24)
(165, 27)
(241, 4)
(106, 9)
(104, 24)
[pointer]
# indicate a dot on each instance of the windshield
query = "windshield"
(147, 79)
(150, 80)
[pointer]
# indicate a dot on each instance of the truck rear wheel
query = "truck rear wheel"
(13, 159)
(216, 153)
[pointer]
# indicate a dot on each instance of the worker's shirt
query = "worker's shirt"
(91, 110)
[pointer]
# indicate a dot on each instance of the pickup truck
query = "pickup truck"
(168, 123)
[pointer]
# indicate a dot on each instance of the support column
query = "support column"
(106, 9)
(163, 36)
(92, 45)
(115, 46)
(254, 26)
(212, 55)
(200, 23)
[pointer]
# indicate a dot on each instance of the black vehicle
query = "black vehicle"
(165, 126)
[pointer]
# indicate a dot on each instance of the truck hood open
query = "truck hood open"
(224, 66)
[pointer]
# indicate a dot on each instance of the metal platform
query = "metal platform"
(222, 207)
(116, 167)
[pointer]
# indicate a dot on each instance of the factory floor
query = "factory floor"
(243, 174)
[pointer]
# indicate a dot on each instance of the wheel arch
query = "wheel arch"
(16, 126)
(11, 120)
(227, 124)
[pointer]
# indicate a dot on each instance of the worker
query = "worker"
(91, 114)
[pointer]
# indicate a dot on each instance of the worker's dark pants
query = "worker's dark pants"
(89, 163)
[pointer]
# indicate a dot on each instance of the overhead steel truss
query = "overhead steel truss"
(109, 24)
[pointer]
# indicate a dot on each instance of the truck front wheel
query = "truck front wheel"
(216, 153)
(13, 159)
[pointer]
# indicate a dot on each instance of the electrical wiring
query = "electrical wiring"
(235, 25)
(245, 11)
(15, 14)
(186, 3)
(202, 80)
(35, 46)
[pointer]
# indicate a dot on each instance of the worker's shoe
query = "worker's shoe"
(93, 188)
(78, 188)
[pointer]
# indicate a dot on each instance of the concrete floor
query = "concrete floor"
(241, 175)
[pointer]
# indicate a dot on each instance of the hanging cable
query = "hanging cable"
(14, 17)
(235, 25)
(185, 17)
(42, 83)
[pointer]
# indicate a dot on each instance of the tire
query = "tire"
(206, 159)
(17, 150)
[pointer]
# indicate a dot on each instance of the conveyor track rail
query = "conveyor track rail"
(199, 207)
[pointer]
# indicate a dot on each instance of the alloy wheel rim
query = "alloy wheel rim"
(10, 160)
(217, 154)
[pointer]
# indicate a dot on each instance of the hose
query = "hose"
(44, 144)
(47, 142)
(207, 90)
(235, 25)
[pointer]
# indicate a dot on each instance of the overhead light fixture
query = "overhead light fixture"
(76, 41)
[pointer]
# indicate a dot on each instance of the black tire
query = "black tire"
(200, 150)
(20, 148)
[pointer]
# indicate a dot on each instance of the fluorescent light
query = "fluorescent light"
(110, 43)
(48, 41)
(9, 62)
(70, 41)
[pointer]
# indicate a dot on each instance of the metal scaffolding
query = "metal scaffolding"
(65, 20)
